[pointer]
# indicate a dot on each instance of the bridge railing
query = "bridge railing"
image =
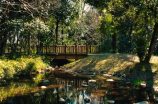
(69, 49)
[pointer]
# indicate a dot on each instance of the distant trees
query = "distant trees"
(119, 26)
(132, 22)
(25, 24)
(12, 10)
(63, 12)
(83, 29)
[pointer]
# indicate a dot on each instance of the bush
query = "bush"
(20, 66)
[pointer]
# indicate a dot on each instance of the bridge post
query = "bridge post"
(56, 49)
(65, 50)
(76, 49)
(86, 49)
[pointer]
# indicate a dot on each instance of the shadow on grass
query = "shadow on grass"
(144, 72)
(141, 73)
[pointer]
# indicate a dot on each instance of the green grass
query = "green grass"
(107, 63)
(118, 64)
(10, 69)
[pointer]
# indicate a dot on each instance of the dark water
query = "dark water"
(59, 62)
(73, 91)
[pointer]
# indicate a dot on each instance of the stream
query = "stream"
(56, 90)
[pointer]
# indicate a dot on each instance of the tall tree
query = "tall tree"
(62, 11)
(83, 28)
(10, 10)
(144, 15)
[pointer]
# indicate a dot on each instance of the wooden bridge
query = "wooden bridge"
(68, 51)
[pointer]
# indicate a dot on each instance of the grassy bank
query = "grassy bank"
(20, 67)
(127, 66)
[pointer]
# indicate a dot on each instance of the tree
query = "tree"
(83, 28)
(144, 14)
(10, 10)
(62, 11)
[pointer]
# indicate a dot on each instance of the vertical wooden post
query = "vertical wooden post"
(65, 50)
(59, 49)
(76, 49)
(86, 49)
(56, 49)
(70, 50)
(99, 48)
(73, 49)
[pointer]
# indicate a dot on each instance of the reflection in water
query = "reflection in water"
(74, 91)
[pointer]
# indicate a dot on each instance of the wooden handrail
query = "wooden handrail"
(69, 49)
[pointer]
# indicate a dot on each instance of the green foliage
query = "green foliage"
(106, 48)
(142, 43)
(28, 35)
(106, 24)
(137, 82)
(20, 66)
(132, 21)
(100, 4)
(46, 60)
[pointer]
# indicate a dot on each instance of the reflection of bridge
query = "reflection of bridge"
(64, 82)
(68, 51)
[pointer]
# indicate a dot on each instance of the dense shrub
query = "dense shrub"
(20, 66)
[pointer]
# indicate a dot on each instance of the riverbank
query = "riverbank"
(98, 68)
(118, 65)
(20, 67)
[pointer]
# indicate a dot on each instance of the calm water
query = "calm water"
(73, 91)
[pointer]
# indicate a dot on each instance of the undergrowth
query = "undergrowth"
(10, 69)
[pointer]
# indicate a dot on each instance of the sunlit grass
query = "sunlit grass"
(100, 63)
(118, 63)
(21, 66)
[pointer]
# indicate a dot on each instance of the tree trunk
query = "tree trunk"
(152, 43)
(56, 30)
(17, 42)
(130, 38)
(3, 41)
(62, 32)
(13, 49)
(3, 38)
(114, 43)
